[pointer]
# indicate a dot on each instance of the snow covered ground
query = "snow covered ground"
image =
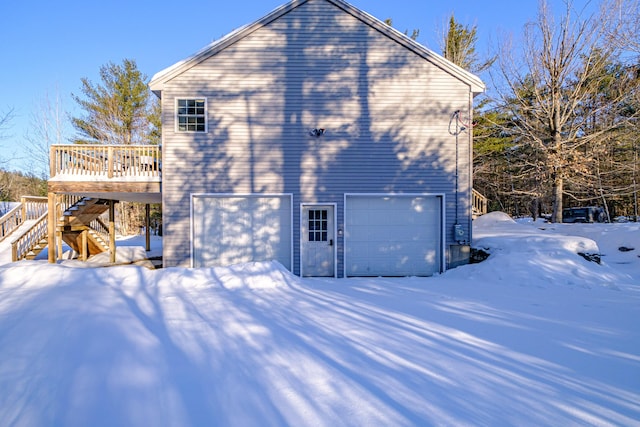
(535, 335)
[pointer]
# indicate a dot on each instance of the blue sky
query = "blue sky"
(48, 46)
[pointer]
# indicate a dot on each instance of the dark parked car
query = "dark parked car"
(586, 214)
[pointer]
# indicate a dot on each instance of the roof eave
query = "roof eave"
(476, 85)
(159, 79)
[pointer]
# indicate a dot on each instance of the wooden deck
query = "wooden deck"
(116, 172)
(84, 175)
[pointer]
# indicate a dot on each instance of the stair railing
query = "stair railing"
(479, 203)
(10, 222)
(24, 244)
(100, 228)
(33, 206)
(30, 207)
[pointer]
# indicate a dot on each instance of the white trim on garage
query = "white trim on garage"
(440, 248)
(286, 258)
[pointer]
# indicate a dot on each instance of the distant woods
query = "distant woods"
(558, 126)
(14, 185)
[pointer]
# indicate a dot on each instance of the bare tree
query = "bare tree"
(626, 34)
(549, 93)
(5, 119)
(48, 129)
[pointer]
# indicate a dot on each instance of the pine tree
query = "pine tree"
(414, 34)
(117, 110)
(458, 45)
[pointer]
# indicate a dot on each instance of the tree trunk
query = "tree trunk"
(558, 190)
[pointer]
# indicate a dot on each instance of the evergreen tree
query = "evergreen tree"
(154, 131)
(458, 45)
(490, 142)
(117, 110)
(414, 34)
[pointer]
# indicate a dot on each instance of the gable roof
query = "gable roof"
(157, 82)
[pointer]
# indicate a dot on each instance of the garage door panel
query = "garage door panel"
(392, 235)
(236, 229)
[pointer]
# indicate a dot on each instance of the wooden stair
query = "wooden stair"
(39, 247)
(84, 216)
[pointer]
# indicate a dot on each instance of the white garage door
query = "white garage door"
(235, 229)
(394, 235)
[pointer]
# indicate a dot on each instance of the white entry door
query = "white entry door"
(318, 241)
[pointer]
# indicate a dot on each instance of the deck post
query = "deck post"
(84, 245)
(147, 224)
(112, 232)
(23, 203)
(51, 227)
(110, 162)
(52, 161)
(59, 209)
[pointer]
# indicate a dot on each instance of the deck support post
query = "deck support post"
(84, 245)
(59, 209)
(112, 232)
(59, 243)
(51, 227)
(147, 226)
(23, 203)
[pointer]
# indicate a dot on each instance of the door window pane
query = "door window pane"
(318, 224)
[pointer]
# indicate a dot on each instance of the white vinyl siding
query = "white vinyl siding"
(384, 109)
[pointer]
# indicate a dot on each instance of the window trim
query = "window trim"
(177, 115)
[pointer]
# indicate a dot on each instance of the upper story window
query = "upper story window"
(191, 115)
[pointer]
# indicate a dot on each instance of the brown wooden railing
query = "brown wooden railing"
(10, 222)
(100, 228)
(479, 204)
(21, 246)
(30, 207)
(33, 207)
(65, 202)
(110, 161)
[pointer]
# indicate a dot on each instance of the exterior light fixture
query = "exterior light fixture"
(316, 132)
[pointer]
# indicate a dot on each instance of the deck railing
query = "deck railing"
(110, 161)
(479, 204)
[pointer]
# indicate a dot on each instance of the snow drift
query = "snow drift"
(535, 335)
